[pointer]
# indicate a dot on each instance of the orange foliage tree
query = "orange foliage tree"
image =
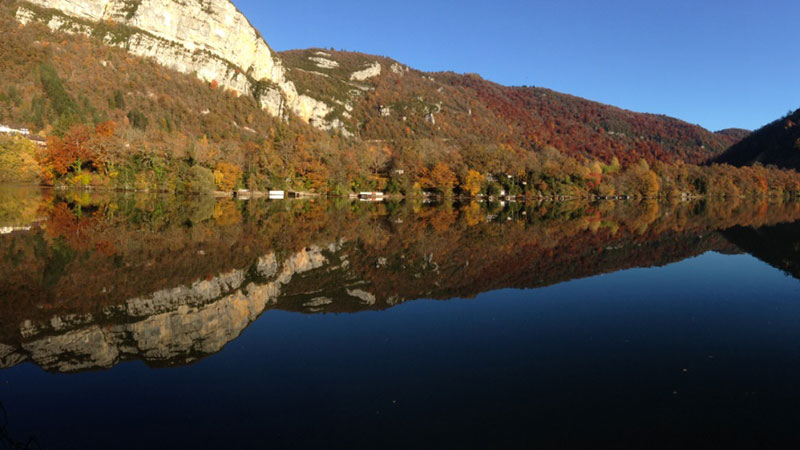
(442, 178)
(71, 152)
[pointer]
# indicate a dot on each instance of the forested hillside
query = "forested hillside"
(398, 102)
(114, 120)
(775, 144)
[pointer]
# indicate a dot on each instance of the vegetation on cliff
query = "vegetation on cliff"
(400, 103)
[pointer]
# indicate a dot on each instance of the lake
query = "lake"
(147, 321)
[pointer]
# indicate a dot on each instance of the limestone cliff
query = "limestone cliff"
(209, 38)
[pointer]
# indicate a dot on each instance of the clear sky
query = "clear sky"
(720, 64)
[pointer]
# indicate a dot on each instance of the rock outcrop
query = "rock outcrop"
(209, 38)
(373, 70)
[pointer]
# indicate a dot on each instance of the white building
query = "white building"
(8, 130)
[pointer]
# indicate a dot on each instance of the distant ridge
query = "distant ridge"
(734, 133)
(395, 101)
(775, 144)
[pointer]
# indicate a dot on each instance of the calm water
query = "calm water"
(154, 322)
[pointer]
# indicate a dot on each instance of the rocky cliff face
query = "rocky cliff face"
(210, 38)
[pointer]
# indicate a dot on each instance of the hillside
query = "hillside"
(210, 39)
(165, 121)
(775, 144)
(129, 99)
(736, 134)
(378, 98)
(365, 96)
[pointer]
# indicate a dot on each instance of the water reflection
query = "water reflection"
(90, 280)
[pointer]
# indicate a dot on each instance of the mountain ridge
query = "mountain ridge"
(777, 144)
(526, 112)
(217, 42)
(122, 119)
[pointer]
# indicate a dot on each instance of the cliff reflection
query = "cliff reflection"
(88, 281)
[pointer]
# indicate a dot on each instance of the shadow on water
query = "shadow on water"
(777, 245)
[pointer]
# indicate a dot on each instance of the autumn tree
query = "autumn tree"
(639, 180)
(70, 152)
(473, 182)
(442, 179)
(226, 175)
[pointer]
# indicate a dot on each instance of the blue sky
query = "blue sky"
(716, 63)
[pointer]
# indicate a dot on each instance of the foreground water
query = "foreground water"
(155, 322)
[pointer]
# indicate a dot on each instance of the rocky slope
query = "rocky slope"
(378, 99)
(209, 38)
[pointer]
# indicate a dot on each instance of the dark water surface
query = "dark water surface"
(154, 322)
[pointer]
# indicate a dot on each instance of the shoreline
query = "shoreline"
(245, 195)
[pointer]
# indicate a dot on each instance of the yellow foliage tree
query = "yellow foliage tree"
(473, 182)
(226, 175)
(18, 160)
